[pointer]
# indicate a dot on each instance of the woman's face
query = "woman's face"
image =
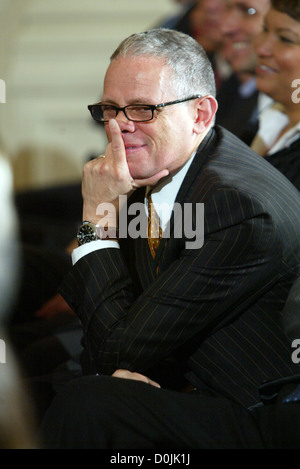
(278, 51)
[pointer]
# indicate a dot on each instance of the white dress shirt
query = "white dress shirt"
(271, 121)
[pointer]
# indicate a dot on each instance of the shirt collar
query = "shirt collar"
(164, 193)
(287, 139)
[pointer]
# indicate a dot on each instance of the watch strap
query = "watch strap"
(89, 231)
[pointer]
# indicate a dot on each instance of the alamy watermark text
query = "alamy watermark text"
(188, 220)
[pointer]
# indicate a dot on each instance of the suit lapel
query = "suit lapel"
(190, 181)
(142, 261)
(205, 149)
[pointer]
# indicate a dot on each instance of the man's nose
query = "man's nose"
(230, 22)
(124, 122)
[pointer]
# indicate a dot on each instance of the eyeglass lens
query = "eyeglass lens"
(137, 113)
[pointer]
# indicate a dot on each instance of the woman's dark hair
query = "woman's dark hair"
(290, 7)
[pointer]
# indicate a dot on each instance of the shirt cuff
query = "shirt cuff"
(85, 249)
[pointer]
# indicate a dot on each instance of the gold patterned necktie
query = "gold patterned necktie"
(154, 228)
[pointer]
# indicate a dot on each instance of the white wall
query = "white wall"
(53, 56)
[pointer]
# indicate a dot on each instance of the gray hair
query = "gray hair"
(191, 69)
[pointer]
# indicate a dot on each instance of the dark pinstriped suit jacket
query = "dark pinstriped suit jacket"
(212, 314)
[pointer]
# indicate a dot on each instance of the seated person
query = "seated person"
(238, 97)
(278, 50)
(187, 323)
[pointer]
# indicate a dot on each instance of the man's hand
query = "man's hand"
(135, 376)
(104, 179)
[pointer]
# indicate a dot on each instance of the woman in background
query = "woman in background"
(278, 51)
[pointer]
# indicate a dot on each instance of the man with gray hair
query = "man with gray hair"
(178, 335)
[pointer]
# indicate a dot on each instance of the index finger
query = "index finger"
(117, 144)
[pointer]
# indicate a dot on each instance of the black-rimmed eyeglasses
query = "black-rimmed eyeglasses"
(134, 112)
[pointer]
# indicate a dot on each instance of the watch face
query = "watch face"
(86, 233)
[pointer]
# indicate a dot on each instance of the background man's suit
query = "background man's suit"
(287, 161)
(211, 316)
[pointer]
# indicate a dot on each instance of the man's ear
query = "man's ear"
(205, 113)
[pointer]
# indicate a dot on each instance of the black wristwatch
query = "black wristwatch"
(88, 232)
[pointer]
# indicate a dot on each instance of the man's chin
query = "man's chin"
(138, 172)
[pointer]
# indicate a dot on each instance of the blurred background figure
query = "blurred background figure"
(16, 411)
(205, 27)
(201, 19)
(242, 21)
(9, 243)
(172, 21)
(278, 51)
(205, 23)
